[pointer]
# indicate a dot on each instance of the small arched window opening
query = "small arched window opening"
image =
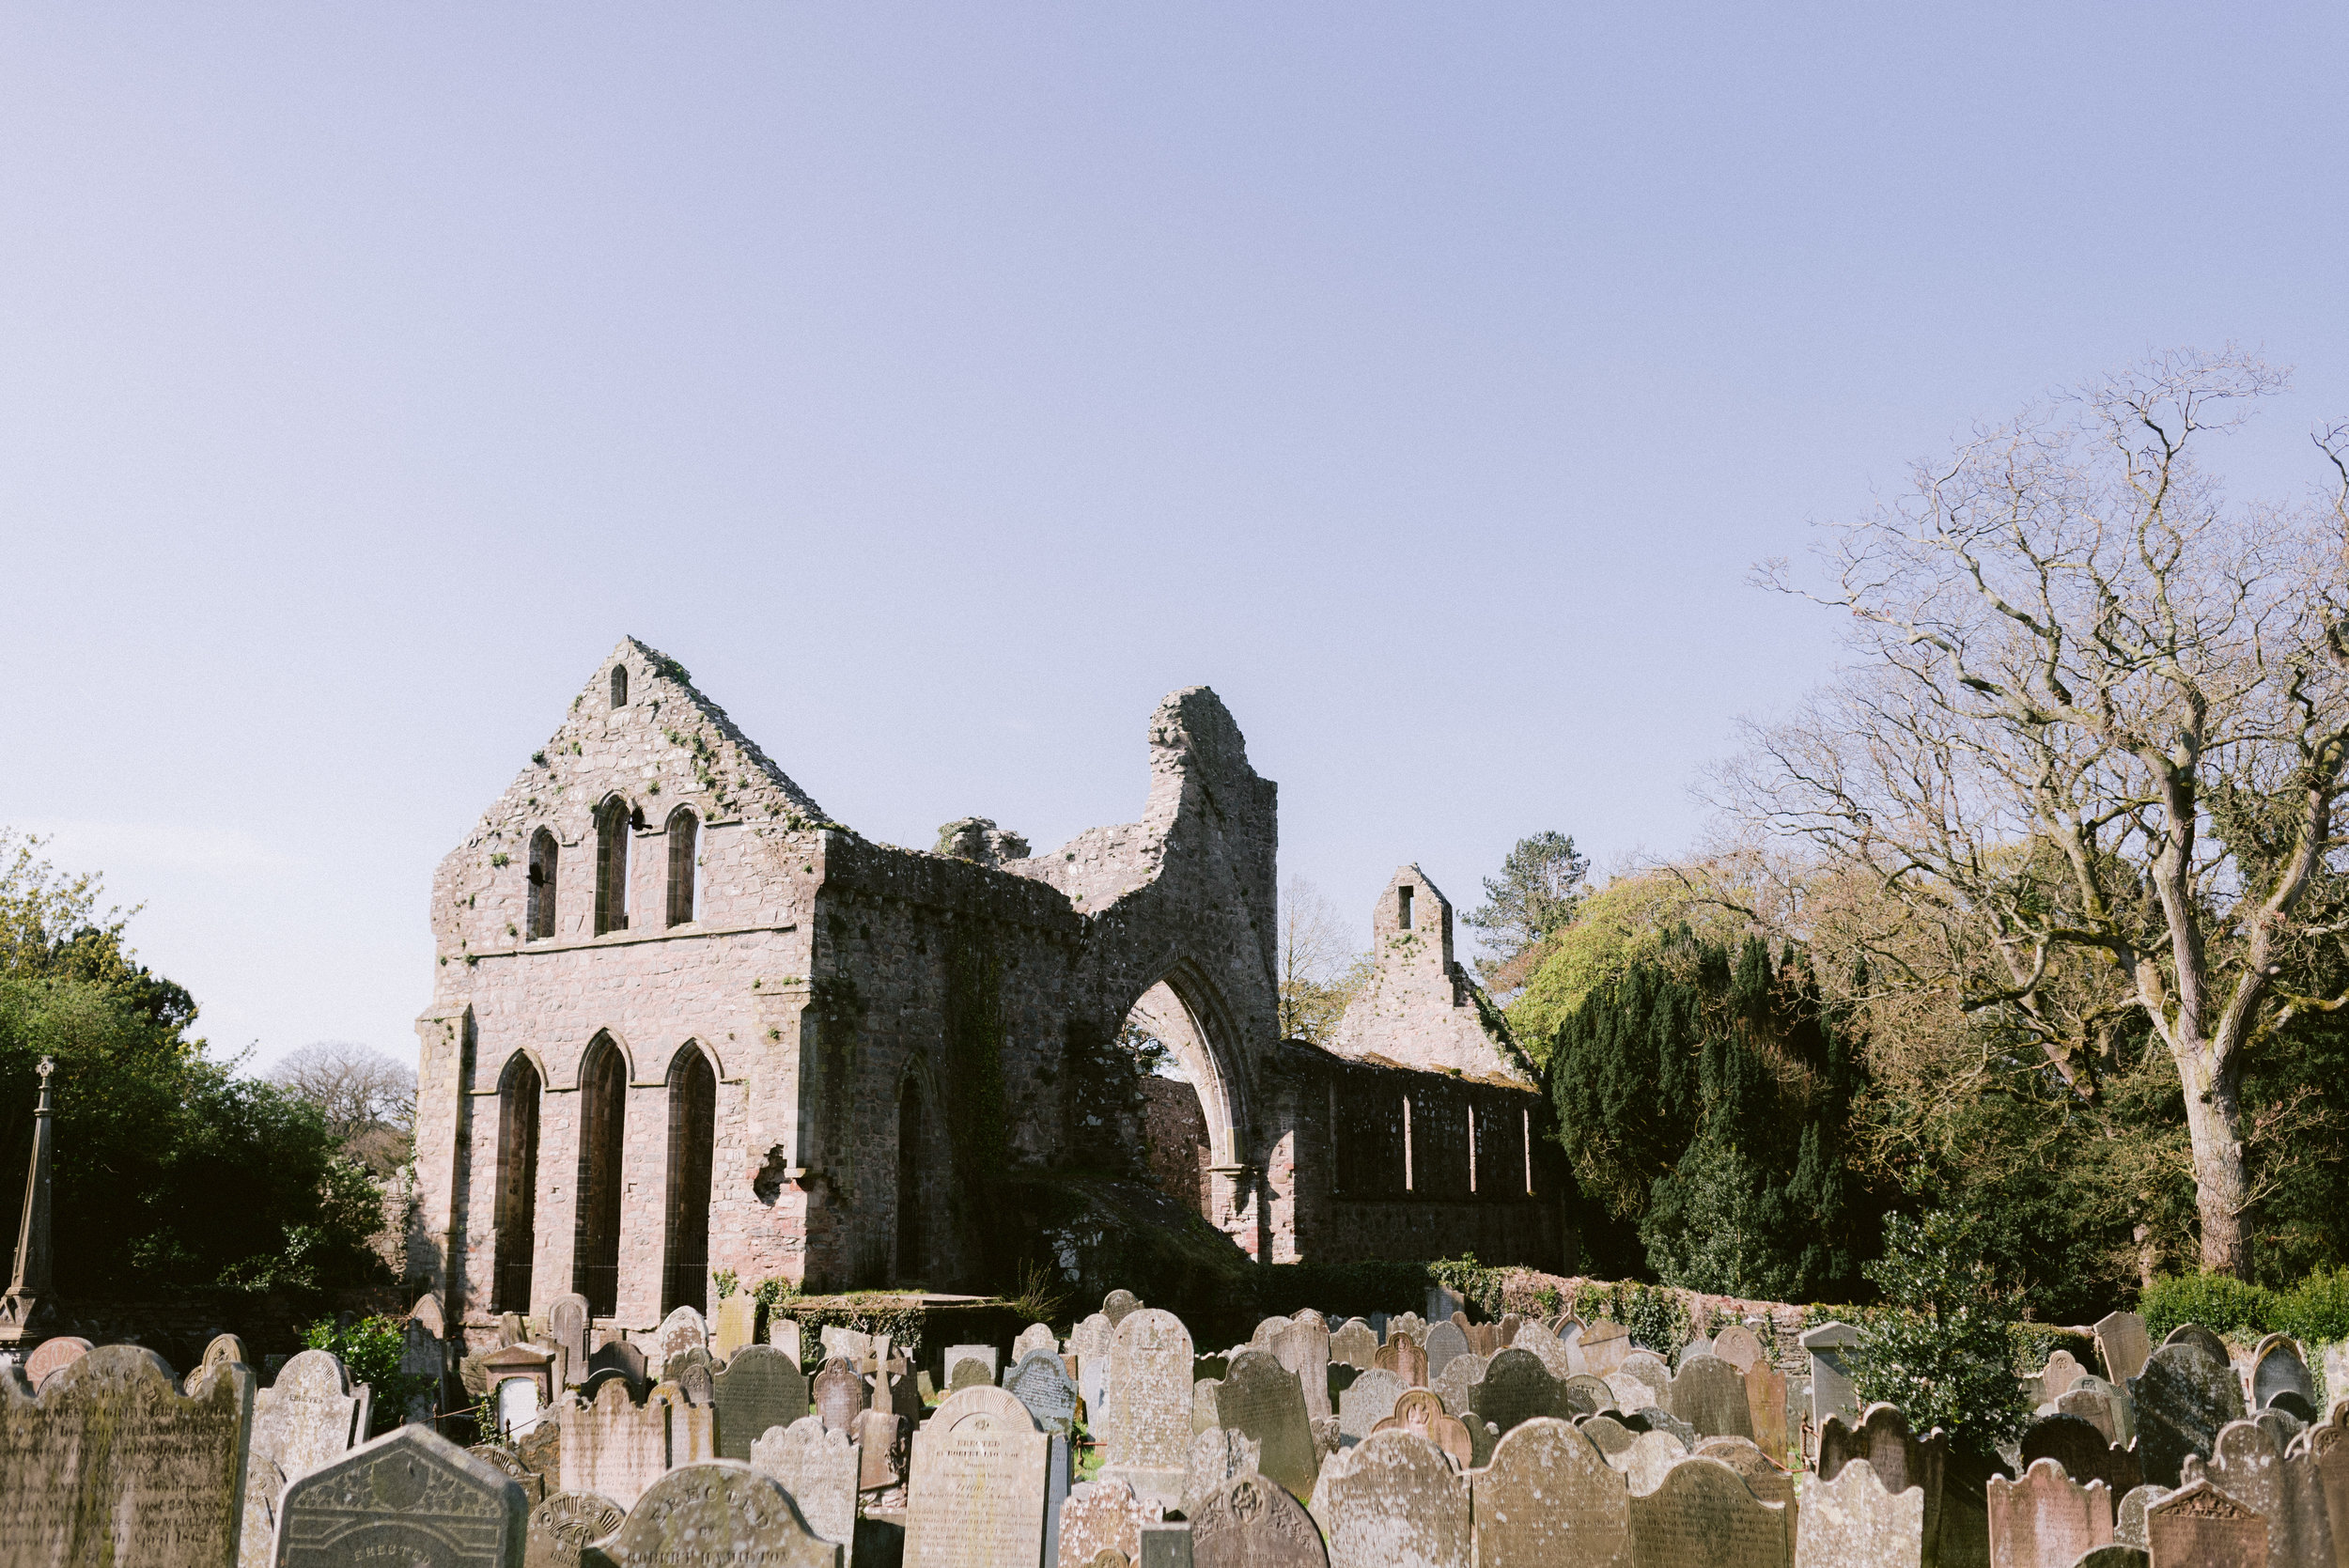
(619, 686)
(1403, 907)
(692, 1141)
(612, 825)
(518, 1185)
(602, 1142)
(684, 844)
(910, 1264)
(541, 922)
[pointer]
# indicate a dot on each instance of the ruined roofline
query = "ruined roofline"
(672, 673)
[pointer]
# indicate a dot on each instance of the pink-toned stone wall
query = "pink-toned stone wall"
(1418, 1006)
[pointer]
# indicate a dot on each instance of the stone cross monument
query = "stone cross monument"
(28, 1311)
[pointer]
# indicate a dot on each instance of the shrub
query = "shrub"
(1940, 1349)
(2316, 1311)
(2220, 1302)
(371, 1348)
(1657, 1319)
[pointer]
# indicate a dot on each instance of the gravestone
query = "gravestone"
(1041, 1383)
(1596, 1393)
(761, 1388)
(967, 1373)
(682, 1329)
(1645, 1463)
(2201, 1527)
(2093, 1406)
(717, 1513)
(696, 1385)
(51, 1357)
(1694, 1347)
(1393, 1501)
(1701, 1512)
(2123, 1345)
(1445, 1344)
(410, 1496)
(2278, 1368)
(425, 1357)
(561, 1527)
(1100, 1517)
(1765, 1402)
(1366, 1401)
(1603, 1346)
(1515, 1389)
(1355, 1346)
(2047, 1518)
(2083, 1452)
(1148, 1429)
(1260, 1398)
(1091, 1341)
(2288, 1492)
(222, 1350)
(839, 1393)
(2054, 1380)
(2123, 1409)
(784, 1334)
(613, 1448)
(822, 1469)
(1546, 1349)
(1550, 1500)
(112, 1463)
(2128, 1523)
(1405, 1360)
(884, 1446)
(736, 1326)
(1853, 1522)
(983, 1353)
(2204, 1340)
(1899, 1458)
(621, 1357)
(1763, 1476)
(1453, 1385)
(1654, 1420)
(1740, 1346)
(1831, 1392)
(1250, 1523)
(566, 1321)
(1203, 1408)
(1303, 1347)
(1418, 1411)
(1217, 1455)
(1035, 1336)
(1118, 1305)
(977, 1495)
(893, 1388)
(1646, 1366)
(2115, 1556)
(302, 1421)
(2182, 1399)
(850, 1344)
(509, 1462)
(1483, 1338)
(693, 1428)
(1710, 1395)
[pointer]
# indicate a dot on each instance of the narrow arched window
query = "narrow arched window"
(910, 1264)
(684, 843)
(619, 686)
(611, 866)
(692, 1140)
(541, 922)
(518, 1185)
(603, 1144)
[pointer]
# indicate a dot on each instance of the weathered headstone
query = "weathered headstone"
(222, 1350)
(2201, 1527)
(1035, 1336)
(1118, 1305)
(1710, 1395)
(2046, 1519)
(1515, 1389)
(1831, 1392)
(840, 1394)
(682, 1329)
(1853, 1522)
(2123, 1345)
(697, 1383)
(1148, 1429)
(566, 1321)
(784, 1334)
(1702, 1511)
(1545, 1348)
(561, 1527)
(1260, 1398)
(621, 1357)
(967, 1373)
(1393, 1500)
(1651, 1455)
(1405, 1360)
(2182, 1399)
(1646, 1366)
(613, 1448)
(509, 1462)
(760, 1388)
(1418, 1412)
(1589, 1395)
(1739, 1345)
(1404, 1325)
(2093, 1406)
(1041, 1383)
(717, 1513)
(1603, 1346)
(2202, 1339)
(1217, 1455)
(986, 1354)
(1550, 1500)
(1763, 1476)
(307, 1417)
(2115, 1556)
(2054, 1380)
(2082, 1450)
(1767, 1402)
(1303, 1347)
(852, 1345)
(1366, 1401)
(2278, 1368)
(734, 1325)
(978, 1488)
(1100, 1516)
(1899, 1458)
(1355, 1346)
(1445, 1342)
(1248, 1522)
(2287, 1491)
(1453, 1384)
(821, 1469)
(51, 1357)
(410, 1496)
(693, 1428)
(113, 1464)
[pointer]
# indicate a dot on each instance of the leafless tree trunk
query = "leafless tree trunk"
(2094, 740)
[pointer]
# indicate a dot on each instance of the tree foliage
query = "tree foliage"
(1540, 885)
(1940, 1349)
(366, 1099)
(1321, 969)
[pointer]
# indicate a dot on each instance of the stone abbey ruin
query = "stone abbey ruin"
(684, 1022)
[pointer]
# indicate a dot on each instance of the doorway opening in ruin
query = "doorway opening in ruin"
(693, 1146)
(1187, 1110)
(911, 1265)
(602, 1139)
(518, 1185)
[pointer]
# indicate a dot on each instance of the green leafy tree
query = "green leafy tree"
(1941, 1350)
(1540, 885)
(371, 1348)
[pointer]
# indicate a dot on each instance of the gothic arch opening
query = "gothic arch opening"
(518, 1185)
(693, 1144)
(1190, 1100)
(602, 1147)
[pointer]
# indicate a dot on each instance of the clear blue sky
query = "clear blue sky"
(943, 384)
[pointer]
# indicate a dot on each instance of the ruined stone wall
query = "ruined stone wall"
(1419, 1008)
(1175, 1130)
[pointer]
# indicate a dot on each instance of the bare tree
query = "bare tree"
(368, 1098)
(1320, 969)
(2093, 742)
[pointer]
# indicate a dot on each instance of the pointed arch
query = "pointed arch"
(693, 1149)
(612, 829)
(543, 859)
(619, 686)
(602, 1149)
(519, 1091)
(684, 836)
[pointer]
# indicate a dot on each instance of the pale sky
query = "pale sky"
(943, 384)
